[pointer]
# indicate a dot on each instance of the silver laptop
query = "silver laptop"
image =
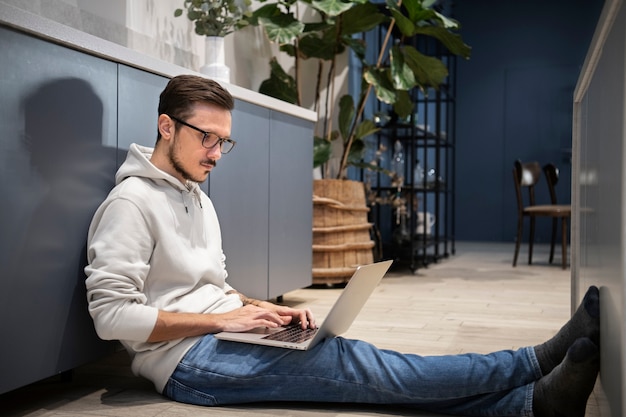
(338, 320)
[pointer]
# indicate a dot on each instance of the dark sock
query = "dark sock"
(564, 392)
(584, 323)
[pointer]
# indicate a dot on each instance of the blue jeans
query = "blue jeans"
(216, 372)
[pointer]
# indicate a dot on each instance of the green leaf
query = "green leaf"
(383, 87)
(194, 15)
(332, 7)
(318, 27)
(403, 106)
(361, 18)
(266, 11)
(365, 128)
(401, 74)
(288, 48)
(447, 22)
(371, 167)
(356, 152)
(321, 151)
(274, 88)
(346, 115)
(358, 46)
(419, 13)
(428, 71)
(178, 12)
(282, 29)
(280, 85)
(451, 41)
(404, 24)
(312, 46)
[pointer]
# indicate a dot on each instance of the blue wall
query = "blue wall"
(514, 100)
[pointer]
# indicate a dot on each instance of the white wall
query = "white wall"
(599, 197)
(149, 27)
(146, 26)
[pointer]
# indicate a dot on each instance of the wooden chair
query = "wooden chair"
(551, 172)
(526, 176)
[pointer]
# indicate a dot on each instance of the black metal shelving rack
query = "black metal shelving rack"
(428, 135)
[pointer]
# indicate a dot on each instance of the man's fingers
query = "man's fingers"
(307, 320)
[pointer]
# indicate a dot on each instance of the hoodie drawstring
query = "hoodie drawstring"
(185, 196)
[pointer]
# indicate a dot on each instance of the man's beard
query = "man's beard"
(178, 166)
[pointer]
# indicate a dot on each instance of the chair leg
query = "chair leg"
(564, 241)
(518, 239)
(554, 224)
(531, 239)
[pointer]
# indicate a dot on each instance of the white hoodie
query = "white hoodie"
(154, 244)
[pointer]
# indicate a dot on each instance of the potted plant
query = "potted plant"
(331, 28)
(331, 31)
(214, 19)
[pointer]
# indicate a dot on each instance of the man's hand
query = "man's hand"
(303, 316)
(172, 325)
(265, 314)
(249, 317)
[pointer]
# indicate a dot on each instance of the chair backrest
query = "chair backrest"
(525, 176)
(552, 178)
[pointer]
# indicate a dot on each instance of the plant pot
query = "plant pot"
(214, 58)
(341, 232)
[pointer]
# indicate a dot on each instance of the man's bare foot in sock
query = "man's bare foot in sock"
(564, 392)
(584, 323)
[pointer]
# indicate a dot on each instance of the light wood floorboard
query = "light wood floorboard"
(473, 301)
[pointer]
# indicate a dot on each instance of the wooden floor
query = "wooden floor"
(473, 301)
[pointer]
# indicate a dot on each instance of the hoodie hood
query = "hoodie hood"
(137, 164)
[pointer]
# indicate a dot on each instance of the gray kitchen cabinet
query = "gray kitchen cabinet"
(69, 111)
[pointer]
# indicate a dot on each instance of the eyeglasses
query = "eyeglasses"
(210, 139)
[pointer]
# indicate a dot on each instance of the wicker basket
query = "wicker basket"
(341, 232)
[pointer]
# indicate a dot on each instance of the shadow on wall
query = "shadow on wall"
(70, 173)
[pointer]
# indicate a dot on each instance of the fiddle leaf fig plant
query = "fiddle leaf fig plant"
(331, 28)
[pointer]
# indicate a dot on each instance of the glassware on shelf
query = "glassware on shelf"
(401, 234)
(381, 119)
(398, 163)
(431, 178)
(418, 175)
(425, 223)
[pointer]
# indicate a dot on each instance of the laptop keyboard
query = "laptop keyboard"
(292, 334)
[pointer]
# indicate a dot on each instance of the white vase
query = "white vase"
(215, 67)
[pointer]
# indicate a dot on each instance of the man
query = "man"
(157, 282)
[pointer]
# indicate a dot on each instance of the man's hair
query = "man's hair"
(183, 91)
